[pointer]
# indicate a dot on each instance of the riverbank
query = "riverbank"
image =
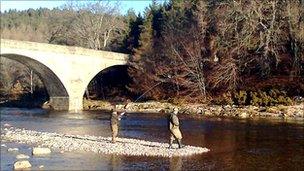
(280, 111)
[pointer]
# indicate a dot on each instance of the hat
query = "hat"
(175, 109)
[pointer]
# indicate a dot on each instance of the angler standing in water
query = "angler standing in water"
(114, 125)
(115, 118)
(173, 125)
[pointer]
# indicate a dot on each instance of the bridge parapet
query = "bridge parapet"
(70, 50)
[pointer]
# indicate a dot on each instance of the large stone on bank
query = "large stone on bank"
(243, 115)
(7, 125)
(207, 112)
(22, 156)
(47, 105)
(19, 165)
(41, 151)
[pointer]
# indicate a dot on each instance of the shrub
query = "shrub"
(239, 98)
(269, 98)
(224, 99)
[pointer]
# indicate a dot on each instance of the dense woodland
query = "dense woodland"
(208, 51)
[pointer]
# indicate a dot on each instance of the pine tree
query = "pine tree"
(143, 62)
(134, 22)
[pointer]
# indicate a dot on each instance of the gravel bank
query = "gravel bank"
(293, 112)
(96, 144)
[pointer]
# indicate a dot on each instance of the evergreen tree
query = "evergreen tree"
(134, 22)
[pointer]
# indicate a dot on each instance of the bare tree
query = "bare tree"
(295, 20)
(187, 64)
(57, 26)
(95, 23)
(15, 75)
(184, 55)
(6, 81)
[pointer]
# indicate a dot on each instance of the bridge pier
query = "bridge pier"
(73, 104)
(59, 103)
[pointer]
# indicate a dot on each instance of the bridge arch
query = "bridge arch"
(59, 98)
(65, 70)
(116, 75)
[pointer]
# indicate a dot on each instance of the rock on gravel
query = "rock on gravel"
(7, 125)
(12, 149)
(20, 165)
(41, 151)
(22, 156)
(97, 144)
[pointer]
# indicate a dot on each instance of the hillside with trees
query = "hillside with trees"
(203, 51)
(223, 52)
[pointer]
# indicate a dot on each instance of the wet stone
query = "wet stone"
(20, 165)
(22, 156)
(12, 149)
(41, 151)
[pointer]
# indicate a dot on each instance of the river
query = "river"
(235, 144)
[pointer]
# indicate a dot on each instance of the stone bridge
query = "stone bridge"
(65, 71)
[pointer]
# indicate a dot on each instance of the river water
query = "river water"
(235, 144)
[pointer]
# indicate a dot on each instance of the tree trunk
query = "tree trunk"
(31, 77)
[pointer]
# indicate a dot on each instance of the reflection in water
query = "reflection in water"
(77, 116)
(115, 162)
(234, 144)
(176, 163)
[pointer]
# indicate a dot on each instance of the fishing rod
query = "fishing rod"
(139, 98)
(168, 77)
(147, 91)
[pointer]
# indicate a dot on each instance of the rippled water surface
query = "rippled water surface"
(235, 144)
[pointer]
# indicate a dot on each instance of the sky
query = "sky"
(137, 5)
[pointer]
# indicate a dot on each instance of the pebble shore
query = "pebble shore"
(96, 144)
(289, 112)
